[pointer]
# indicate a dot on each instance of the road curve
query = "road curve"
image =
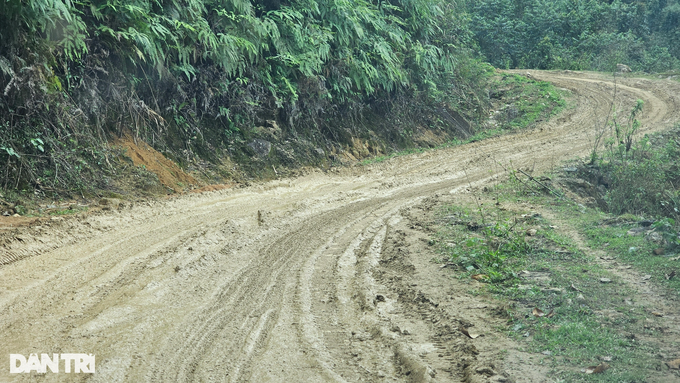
(272, 282)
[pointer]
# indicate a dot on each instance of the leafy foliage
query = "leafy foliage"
(578, 35)
(193, 76)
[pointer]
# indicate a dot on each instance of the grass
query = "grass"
(534, 101)
(633, 250)
(592, 321)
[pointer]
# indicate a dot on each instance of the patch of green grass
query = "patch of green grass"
(534, 100)
(636, 251)
(591, 321)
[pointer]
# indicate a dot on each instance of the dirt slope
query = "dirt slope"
(276, 282)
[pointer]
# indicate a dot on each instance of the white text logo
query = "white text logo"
(81, 363)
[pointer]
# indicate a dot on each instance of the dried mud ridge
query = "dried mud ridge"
(299, 281)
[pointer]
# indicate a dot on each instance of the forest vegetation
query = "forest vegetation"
(196, 78)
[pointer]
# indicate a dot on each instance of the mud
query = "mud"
(302, 280)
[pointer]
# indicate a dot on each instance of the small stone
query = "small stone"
(580, 297)
(547, 352)
(261, 147)
(605, 280)
(531, 232)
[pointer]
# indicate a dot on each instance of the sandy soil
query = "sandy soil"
(299, 280)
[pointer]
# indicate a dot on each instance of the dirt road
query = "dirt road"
(275, 282)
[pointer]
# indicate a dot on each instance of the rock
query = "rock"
(531, 232)
(320, 152)
(654, 237)
(622, 68)
(261, 147)
(605, 280)
(511, 112)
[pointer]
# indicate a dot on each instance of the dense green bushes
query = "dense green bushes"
(195, 76)
(645, 181)
(578, 35)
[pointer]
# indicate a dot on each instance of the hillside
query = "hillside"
(213, 84)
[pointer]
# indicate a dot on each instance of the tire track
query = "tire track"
(196, 289)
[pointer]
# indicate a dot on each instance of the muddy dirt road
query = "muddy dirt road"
(275, 282)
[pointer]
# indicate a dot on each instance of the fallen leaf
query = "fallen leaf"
(647, 277)
(657, 314)
(479, 277)
(597, 369)
(605, 280)
(551, 314)
(671, 275)
(575, 288)
(538, 312)
(469, 334)
(674, 364)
